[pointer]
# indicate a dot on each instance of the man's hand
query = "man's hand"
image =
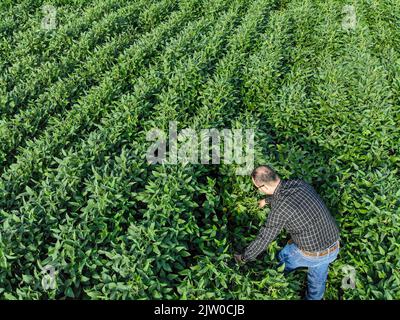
(262, 203)
(238, 258)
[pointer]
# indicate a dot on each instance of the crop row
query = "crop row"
(189, 35)
(30, 48)
(98, 202)
(65, 93)
(15, 18)
(34, 82)
(167, 219)
(210, 276)
(119, 73)
(170, 215)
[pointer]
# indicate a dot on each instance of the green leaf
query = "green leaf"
(69, 293)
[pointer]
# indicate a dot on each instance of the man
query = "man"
(296, 207)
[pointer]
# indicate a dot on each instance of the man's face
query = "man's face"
(263, 188)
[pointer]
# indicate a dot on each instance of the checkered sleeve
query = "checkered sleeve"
(275, 223)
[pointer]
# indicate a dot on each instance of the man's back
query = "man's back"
(307, 219)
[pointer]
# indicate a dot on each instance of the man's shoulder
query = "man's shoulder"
(295, 184)
(295, 181)
(293, 189)
(299, 190)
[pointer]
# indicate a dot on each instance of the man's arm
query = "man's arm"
(275, 223)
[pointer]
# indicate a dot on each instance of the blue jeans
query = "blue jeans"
(294, 258)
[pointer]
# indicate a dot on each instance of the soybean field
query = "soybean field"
(82, 82)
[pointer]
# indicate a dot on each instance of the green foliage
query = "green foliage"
(76, 103)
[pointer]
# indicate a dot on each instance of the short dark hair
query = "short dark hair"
(264, 175)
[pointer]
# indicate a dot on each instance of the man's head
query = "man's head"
(265, 179)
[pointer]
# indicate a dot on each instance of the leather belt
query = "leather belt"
(321, 253)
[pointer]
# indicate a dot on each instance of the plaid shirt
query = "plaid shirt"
(296, 206)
